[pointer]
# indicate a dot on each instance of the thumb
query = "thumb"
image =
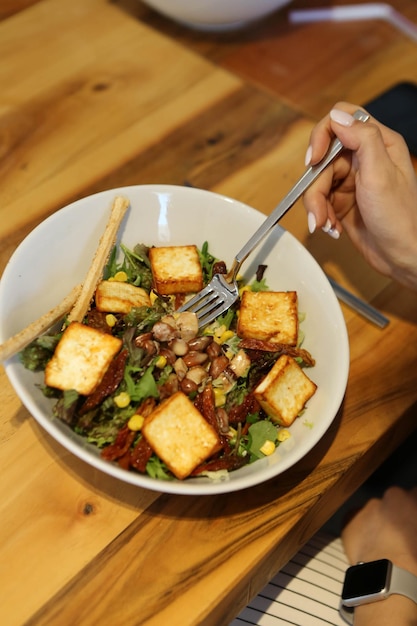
(367, 140)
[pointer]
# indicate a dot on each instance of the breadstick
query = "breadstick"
(24, 337)
(80, 309)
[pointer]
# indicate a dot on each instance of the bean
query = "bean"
(170, 355)
(187, 323)
(140, 340)
(169, 387)
(223, 421)
(197, 374)
(240, 364)
(164, 332)
(200, 343)
(180, 368)
(213, 350)
(146, 342)
(218, 365)
(188, 386)
(178, 346)
(170, 320)
(193, 358)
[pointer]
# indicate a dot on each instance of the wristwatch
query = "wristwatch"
(373, 581)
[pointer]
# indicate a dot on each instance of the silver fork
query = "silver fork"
(222, 291)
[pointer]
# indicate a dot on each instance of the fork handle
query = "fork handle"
(290, 199)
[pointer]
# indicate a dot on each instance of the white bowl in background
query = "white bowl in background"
(216, 15)
(55, 256)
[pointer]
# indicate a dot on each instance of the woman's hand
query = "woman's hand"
(386, 528)
(370, 191)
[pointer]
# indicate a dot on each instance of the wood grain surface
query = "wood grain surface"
(124, 96)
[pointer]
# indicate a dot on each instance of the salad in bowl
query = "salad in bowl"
(135, 387)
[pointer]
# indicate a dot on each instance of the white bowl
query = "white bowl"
(216, 15)
(56, 255)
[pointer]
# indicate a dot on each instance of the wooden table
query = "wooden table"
(98, 94)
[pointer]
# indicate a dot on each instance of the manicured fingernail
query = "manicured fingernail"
(307, 159)
(327, 226)
(311, 220)
(341, 117)
(333, 232)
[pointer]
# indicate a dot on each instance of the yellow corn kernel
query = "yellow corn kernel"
(153, 297)
(111, 320)
(268, 447)
(232, 432)
(122, 400)
(243, 289)
(283, 434)
(228, 334)
(218, 332)
(136, 422)
(121, 277)
(219, 397)
(161, 361)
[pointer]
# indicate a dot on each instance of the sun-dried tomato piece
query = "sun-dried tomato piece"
(281, 348)
(239, 412)
(97, 319)
(230, 463)
(123, 441)
(219, 267)
(205, 403)
(109, 383)
(140, 455)
(260, 344)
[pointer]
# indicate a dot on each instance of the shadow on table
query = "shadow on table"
(288, 486)
(399, 469)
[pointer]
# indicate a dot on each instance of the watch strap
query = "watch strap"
(403, 583)
(347, 613)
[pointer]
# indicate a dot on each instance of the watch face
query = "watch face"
(365, 580)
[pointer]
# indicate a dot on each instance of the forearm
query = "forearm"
(406, 274)
(396, 610)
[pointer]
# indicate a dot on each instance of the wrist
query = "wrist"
(404, 269)
(406, 276)
(396, 609)
(370, 586)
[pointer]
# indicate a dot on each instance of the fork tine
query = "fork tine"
(211, 301)
(201, 303)
(208, 319)
(195, 300)
(210, 306)
(208, 316)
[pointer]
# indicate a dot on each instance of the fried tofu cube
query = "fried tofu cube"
(113, 296)
(176, 269)
(81, 359)
(269, 316)
(179, 435)
(284, 391)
